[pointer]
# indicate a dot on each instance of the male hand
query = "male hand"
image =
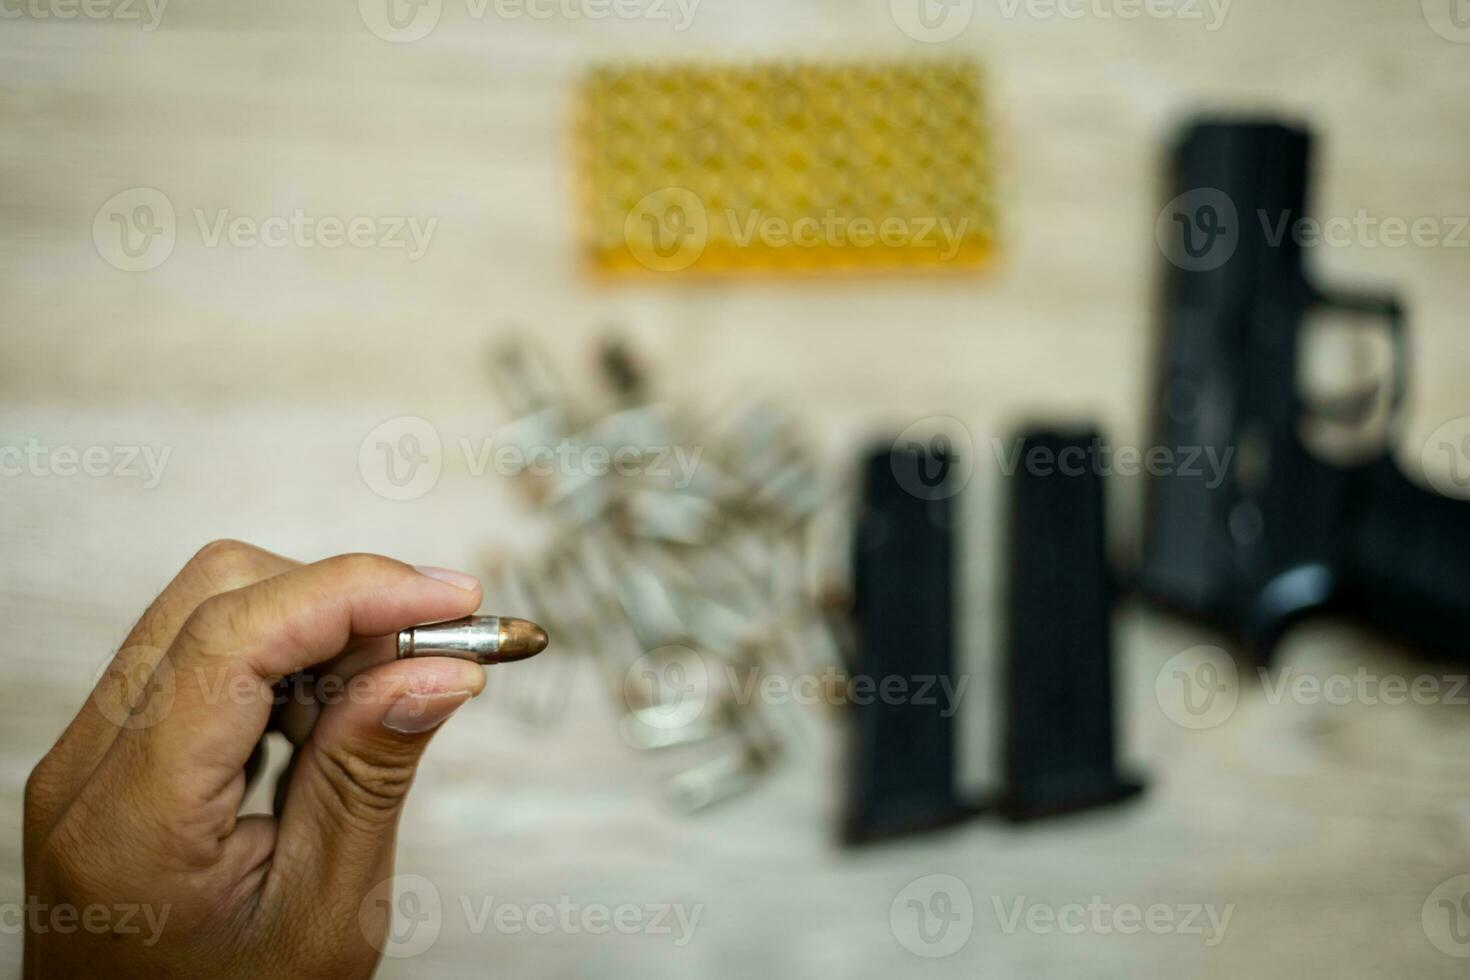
(137, 804)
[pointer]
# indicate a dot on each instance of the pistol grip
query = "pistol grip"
(1411, 556)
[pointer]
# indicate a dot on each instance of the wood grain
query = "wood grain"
(263, 369)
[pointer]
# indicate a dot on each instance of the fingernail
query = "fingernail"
(467, 582)
(415, 713)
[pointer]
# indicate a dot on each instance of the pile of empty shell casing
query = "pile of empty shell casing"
(695, 562)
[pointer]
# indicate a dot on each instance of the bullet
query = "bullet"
(483, 639)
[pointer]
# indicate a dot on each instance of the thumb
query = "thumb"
(339, 824)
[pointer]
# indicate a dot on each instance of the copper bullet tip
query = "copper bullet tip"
(519, 639)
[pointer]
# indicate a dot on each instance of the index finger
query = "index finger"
(234, 645)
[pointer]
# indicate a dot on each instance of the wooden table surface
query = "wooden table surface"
(261, 370)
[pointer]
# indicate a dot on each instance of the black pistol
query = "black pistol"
(1284, 533)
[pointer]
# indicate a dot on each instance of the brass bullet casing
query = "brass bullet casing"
(483, 639)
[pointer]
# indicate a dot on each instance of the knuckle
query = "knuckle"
(35, 782)
(362, 564)
(363, 786)
(214, 621)
(57, 867)
(39, 792)
(66, 859)
(226, 563)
